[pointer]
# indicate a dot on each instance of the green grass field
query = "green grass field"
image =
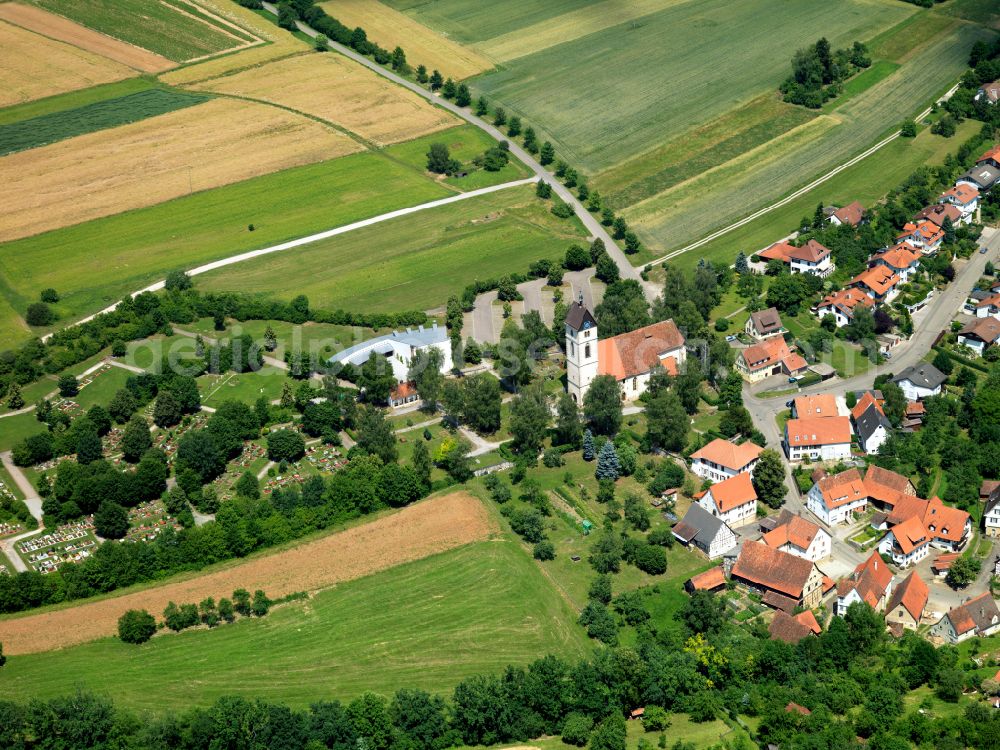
(139, 247)
(679, 215)
(99, 115)
(16, 428)
(246, 386)
(74, 99)
(863, 81)
(413, 262)
(163, 28)
(426, 624)
(867, 181)
(658, 88)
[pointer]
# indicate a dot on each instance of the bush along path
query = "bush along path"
(596, 229)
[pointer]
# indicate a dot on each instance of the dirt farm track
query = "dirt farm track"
(413, 533)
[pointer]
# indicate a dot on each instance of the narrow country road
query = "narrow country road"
(596, 229)
(291, 244)
(31, 498)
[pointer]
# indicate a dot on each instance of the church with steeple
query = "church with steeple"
(631, 358)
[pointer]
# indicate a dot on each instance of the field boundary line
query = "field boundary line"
(309, 239)
(801, 191)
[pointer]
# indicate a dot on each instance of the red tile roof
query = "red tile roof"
(851, 214)
(812, 251)
(808, 619)
(733, 492)
(886, 486)
(910, 535)
(798, 709)
(878, 279)
(403, 390)
(842, 489)
(818, 431)
(866, 400)
(962, 194)
(934, 517)
(728, 454)
(786, 628)
(771, 569)
(820, 405)
(793, 530)
(637, 352)
(912, 593)
(871, 579)
(847, 300)
(711, 579)
(899, 256)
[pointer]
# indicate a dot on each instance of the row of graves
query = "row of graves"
(147, 520)
(253, 455)
(167, 440)
(319, 459)
(71, 542)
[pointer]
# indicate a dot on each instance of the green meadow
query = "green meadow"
(426, 624)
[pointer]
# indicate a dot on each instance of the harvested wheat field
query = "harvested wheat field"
(413, 533)
(390, 28)
(144, 163)
(282, 44)
(57, 27)
(33, 67)
(340, 91)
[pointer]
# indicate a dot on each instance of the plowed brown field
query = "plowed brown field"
(413, 533)
(57, 27)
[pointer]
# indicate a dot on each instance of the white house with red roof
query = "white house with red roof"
(631, 358)
(852, 214)
(732, 500)
(797, 536)
(770, 357)
(878, 282)
(837, 498)
(977, 617)
(989, 93)
(871, 583)
(842, 305)
(818, 438)
(965, 198)
(989, 307)
(812, 258)
(723, 459)
(924, 235)
(902, 259)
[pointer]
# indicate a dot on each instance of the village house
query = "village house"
(722, 459)
(818, 438)
(842, 304)
(870, 583)
(793, 628)
(402, 394)
(908, 602)
(977, 617)
(797, 536)
(820, 405)
(705, 531)
(399, 349)
(944, 527)
(852, 214)
(812, 258)
(769, 357)
(982, 177)
(902, 259)
(782, 578)
(631, 358)
(924, 235)
(878, 282)
(872, 428)
(989, 307)
(920, 381)
(991, 157)
(965, 198)
(885, 488)
(991, 513)
(989, 92)
(980, 335)
(734, 500)
(764, 324)
(836, 498)
(938, 212)
(907, 543)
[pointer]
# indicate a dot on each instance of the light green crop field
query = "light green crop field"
(163, 29)
(73, 99)
(138, 247)
(720, 55)
(867, 181)
(426, 624)
(413, 262)
(714, 199)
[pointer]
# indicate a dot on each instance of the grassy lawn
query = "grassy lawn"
(426, 624)
(139, 247)
(15, 429)
(103, 386)
(413, 262)
(246, 387)
(164, 30)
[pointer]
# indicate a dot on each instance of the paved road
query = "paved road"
(596, 229)
(31, 498)
(801, 191)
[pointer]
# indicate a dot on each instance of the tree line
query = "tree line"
(819, 71)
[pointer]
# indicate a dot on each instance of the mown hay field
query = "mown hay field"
(108, 113)
(144, 163)
(721, 55)
(423, 46)
(412, 262)
(414, 532)
(33, 67)
(139, 247)
(340, 91)
(679, 215)
(174, 29)
(64, 30)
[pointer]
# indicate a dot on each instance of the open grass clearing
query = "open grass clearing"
(246, 387)
(16, 428)
(426, 624)
(140, 247)
(867, 181)
(389, 28)
(413, 262)
(100, 115)
(148, 162)
(172, 28)
(678, 216)
(33, 67)
(63, 29)
(415, 532)
(335, 89)
(659, 88)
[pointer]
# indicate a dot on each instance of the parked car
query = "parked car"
(789, 404)
(793, 379)
(983, 250)
(731, 337)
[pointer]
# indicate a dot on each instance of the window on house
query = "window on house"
(586, 352)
